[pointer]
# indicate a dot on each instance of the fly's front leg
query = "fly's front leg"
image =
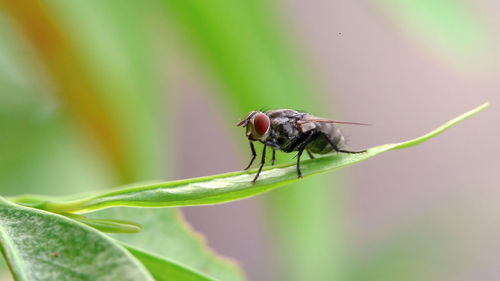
(253, 155)
(274, 145)
(262, 162)
(336, 148)
(311, 137)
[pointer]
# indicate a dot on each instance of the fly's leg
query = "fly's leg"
(310, 154)
(253, 155)
(311, 137)
(336, 148)
(352, 152)
(296, 141)
(274, 145)
(262, 162)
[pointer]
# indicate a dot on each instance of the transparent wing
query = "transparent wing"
(320, 120)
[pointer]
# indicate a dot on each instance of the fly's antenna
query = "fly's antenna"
(244, 122)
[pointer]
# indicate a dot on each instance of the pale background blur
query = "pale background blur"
(444, 193)
(431, 212)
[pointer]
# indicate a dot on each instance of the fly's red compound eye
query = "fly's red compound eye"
(261, 123)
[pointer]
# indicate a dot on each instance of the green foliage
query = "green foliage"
(43, 246)
(82, 107)
(95, 122)
(40, 245)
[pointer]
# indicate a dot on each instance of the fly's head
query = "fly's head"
(257, 125)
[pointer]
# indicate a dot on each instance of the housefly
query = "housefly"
(290, 130)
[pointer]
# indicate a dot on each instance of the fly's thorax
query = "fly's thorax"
(284, 129)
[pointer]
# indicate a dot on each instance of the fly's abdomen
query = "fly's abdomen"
(321, 145)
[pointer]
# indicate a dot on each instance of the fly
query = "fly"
(290, 130)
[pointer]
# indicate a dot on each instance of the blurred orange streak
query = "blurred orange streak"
(76, 90)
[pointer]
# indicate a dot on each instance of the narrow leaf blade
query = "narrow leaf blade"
(107, 225)
(231, 186)
(165, 270)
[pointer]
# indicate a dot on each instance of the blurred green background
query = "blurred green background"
(96, 94)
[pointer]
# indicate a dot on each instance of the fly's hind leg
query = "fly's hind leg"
(310, 154)
(352, 152)
(311, 137)
(336, 148)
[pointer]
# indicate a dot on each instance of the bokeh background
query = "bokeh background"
(96, 94)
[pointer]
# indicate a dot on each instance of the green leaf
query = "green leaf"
(107, 225)
(164, 270)
(167, 236)
(231, 186)
(43, 246)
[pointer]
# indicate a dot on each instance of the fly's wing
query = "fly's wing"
(321, 120)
